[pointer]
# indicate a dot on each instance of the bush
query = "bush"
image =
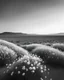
(59, 46)
(30, 47)
(24, 69)
(18, 50)
(48, 44)
(7, 56)
(49, 54)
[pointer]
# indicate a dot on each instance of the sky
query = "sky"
(32, 16)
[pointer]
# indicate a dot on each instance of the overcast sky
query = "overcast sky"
(32, 16)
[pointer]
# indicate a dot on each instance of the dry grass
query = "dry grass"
(30, 47)
(59, 46)
(19, 51)
(7, 55)
(49, 54)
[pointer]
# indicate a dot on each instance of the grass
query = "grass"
(34, 56)
(24, 69)
(49, 54)
(7, 55)
(30, 47)
(59, 46)
(19, 51)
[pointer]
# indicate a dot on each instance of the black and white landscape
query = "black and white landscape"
(31, 40)
(30, 60)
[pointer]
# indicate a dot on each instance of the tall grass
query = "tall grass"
(59, 46)
(7, 55)
(18, 50)
(30, 47)
(49, 54)
(24, 69)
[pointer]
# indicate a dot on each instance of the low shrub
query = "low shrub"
(49, 54)
(7, 56)
(24, 69)
(59, 46)
(18, 50)
(30, 47)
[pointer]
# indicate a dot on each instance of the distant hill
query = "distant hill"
(30, 38)
(13, 34)
(16, 34)
(60, 34)
(57, 34)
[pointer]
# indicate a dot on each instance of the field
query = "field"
(51, 68)
(33, 39)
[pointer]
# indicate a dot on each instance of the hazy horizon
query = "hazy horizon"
(32, 16)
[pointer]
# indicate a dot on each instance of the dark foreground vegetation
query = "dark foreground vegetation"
(32, 58)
